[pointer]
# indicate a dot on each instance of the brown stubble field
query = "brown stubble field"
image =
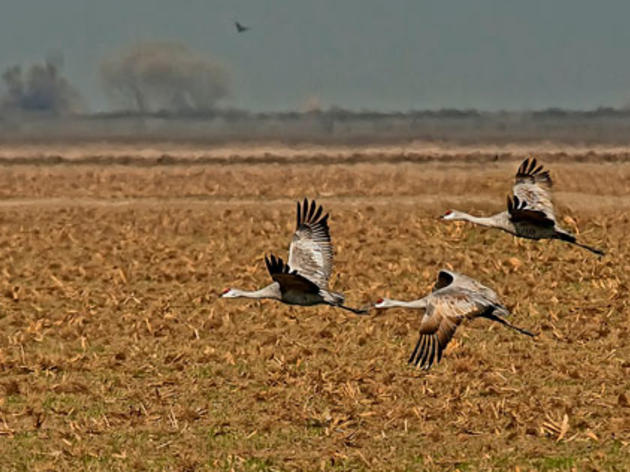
(115, 353)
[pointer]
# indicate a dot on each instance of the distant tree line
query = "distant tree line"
(145, 78)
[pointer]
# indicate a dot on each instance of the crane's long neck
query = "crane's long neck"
(270, 291)
(389, 303)
(500, 220)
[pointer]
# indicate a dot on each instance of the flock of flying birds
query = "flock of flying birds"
(303, 279)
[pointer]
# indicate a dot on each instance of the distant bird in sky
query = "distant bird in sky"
(303, 280)
(241, 28)
(530, 212)
(455, 298)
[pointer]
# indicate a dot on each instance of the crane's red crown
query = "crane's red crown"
(225, 291)
(448, 212)
(380, 300)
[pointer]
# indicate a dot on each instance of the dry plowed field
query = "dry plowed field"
(116, 354)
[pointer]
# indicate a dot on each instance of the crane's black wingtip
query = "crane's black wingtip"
(310, 212)
(529, 168)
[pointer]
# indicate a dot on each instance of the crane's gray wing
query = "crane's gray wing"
(532, 187)
(287, 278)
(448, 278)
(311, 251)
(520, 213)
(445, 311)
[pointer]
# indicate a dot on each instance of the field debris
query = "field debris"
(117, 354)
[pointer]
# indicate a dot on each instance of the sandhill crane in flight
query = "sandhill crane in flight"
(304, 279)
(455, 297)
(241, 28)
(530, 212)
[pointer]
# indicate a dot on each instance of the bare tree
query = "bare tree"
(164, 76)
(40, 88)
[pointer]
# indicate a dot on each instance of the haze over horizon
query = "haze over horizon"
(357, 54)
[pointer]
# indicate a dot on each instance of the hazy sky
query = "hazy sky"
(373, 54)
